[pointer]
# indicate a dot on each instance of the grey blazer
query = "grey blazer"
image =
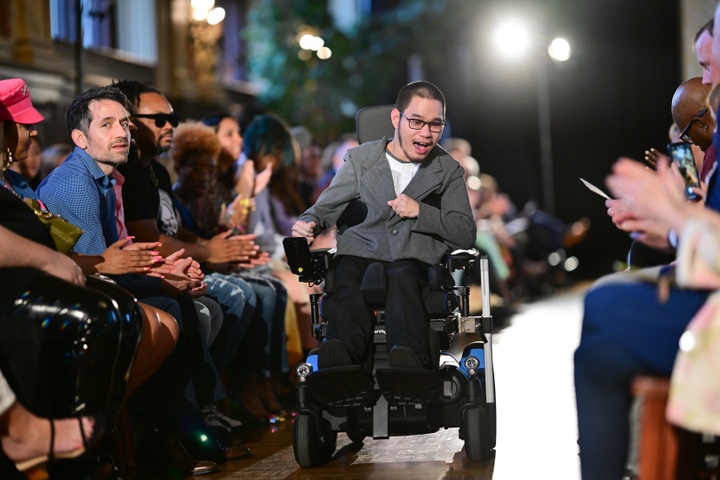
(445, 222)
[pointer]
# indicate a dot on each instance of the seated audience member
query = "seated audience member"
(157, 220)
(187, 379)
(233, 185)
(194, 151)
(52, 156)
(461, 151)
(233, 201)
(270, 146)
(310, 168)
(66, 348)
(160, 328)
(337, 151)
(695, 125)
(28, 440)
(30, 167)
(630, 327)
(417, 211)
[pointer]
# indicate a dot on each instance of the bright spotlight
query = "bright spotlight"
(324, 53)
(202, 4)
(306, 41)
(512, 38)
(559, 50)
(317, 43)
(199, 14)
(216, 15)
(571, 264)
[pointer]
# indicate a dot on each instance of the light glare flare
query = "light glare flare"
(512, 38)
(216, 15)
(306, 41)
(199, 14)
(202, 4)
(559, 50)
(316, 44)
(324, 53)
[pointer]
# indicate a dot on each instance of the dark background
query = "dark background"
(611, 99)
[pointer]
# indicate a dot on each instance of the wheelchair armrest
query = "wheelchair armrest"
(461, 259)
(310, 265)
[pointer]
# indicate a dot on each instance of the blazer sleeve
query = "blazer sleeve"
(332, 202)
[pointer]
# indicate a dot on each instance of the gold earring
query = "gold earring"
(9, 162)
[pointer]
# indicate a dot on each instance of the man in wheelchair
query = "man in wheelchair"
(414, 209)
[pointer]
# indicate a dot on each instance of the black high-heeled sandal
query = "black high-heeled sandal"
(88, 444)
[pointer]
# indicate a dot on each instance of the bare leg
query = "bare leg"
(25, 436)
(160, 334)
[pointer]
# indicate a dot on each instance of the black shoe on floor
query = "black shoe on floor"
(405, 357)
(333, 353)
(202, 442)
(166, 453)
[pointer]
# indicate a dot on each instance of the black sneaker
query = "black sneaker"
(405, 357)
(333, 353)
(167, 454)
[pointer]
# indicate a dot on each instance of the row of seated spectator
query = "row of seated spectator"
(519, 243)
(182, 397)
(659, 320)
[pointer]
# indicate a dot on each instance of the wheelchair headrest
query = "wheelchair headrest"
(374, 123)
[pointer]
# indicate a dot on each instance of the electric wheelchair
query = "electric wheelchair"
(375, 400)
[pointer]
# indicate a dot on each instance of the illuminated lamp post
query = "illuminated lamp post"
(513, 41)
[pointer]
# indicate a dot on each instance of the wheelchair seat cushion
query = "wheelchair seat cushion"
(374, 284)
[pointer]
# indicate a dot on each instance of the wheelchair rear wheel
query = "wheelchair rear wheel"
(313, 441)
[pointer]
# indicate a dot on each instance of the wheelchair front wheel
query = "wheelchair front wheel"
(313, 441)
(478, 434)
(356, 436)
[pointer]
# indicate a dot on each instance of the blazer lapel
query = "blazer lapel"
(425, 180)
(377, 177)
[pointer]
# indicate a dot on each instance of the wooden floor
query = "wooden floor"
(535, 408)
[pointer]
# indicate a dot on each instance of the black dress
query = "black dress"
(18, 217)
(65, 349)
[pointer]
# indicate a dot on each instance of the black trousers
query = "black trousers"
(66, 349)
(406, 323)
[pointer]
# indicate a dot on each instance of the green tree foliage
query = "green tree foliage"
(368, 65)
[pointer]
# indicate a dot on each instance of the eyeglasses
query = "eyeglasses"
(161, 118)
(415, 124)
(685, 135)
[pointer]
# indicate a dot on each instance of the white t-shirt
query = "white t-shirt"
(402, 172)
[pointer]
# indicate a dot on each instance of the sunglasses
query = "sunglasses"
(685, 135)
(161, 118)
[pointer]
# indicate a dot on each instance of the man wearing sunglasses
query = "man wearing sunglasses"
(691, 115)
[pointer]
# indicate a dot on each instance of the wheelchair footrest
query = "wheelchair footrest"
(403, 386)
(342, 387)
